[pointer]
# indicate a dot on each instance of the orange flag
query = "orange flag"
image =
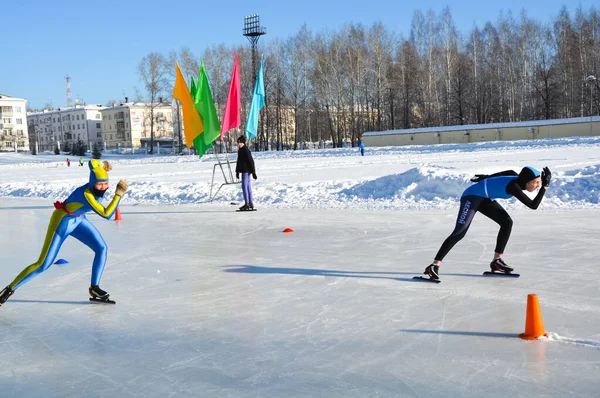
(192, 123)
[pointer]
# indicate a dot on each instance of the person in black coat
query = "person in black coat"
(245, 166)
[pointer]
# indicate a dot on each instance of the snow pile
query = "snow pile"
(414, 177)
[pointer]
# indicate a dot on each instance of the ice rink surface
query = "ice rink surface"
(214, 303)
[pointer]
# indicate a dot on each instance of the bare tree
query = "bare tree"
(154, 74)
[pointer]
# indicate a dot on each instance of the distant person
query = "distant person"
(68, 162)
(68, 219)
(480, 198)
(81, 161)
(245, 166)
(362, 148)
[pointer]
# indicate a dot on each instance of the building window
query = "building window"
(19, 121)
(77, 117)
(97, 125)
(97, 116)
(18, 109)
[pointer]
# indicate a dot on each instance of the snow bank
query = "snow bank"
(415, 177)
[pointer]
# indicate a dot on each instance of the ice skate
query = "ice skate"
(432, 272)
(5, 294)
(498, 265)
(99, 295)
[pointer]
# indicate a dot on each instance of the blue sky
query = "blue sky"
(99, 44)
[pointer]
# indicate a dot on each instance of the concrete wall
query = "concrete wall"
(482, 135)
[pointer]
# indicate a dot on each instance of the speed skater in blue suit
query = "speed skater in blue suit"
(68, 219)
(480, 196)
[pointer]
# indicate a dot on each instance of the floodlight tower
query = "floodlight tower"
(253, 31)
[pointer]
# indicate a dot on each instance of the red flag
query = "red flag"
(231, 117)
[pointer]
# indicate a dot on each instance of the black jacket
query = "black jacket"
(245, 163)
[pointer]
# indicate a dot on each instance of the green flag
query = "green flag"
(193, 87)
(203, 101)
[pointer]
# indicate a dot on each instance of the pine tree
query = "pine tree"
(66, 147)
(96, 154)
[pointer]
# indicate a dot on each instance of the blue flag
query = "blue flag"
(258, 101)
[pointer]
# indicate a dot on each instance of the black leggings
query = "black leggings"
(469, 205)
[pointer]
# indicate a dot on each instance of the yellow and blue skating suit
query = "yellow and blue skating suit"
(69, 220)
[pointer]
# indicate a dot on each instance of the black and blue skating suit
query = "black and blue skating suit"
(480, 197)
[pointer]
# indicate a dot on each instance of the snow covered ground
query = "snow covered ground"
(215, 303)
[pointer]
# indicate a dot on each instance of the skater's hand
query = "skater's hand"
(546, 177)
(237, 176)
(122, 187)
(479, 177)
(254, 176)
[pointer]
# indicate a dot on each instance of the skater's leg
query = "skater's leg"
(245, 183)
(89, 235)
(468, 208)
(59, 228)
(249, 190)
(497, 213)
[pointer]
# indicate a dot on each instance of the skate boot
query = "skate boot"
(250, 206)
(498, 265)
(432, 271)
(98, 293)
(5, 294)
(245, 207)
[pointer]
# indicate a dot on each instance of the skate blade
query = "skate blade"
(420, 278)
(241, 211)
(102, 301)
(511, 275)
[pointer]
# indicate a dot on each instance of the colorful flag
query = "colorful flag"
(203, 101)
(258, 101)
(231, 116)
(193, 88)
(192, 122)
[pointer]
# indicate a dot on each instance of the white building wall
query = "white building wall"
(57, 127)
(13, 124)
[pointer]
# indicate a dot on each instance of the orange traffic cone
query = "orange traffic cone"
(534, 325)
(118, 215)
(287, 230)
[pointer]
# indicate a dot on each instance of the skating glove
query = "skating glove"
(122, 187)
(107, 166)
(254, 176)
(479, 177)
(237, 176)
(546, 177)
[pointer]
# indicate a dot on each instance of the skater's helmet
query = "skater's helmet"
(527, 174)
(98, 172)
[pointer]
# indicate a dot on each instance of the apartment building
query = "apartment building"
(13, 124)
(127, 125)
(64, 127)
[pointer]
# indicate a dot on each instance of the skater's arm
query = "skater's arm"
(251, 163)
(104, 212)
(515, 190)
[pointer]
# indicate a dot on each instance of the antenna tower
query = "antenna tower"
(69, 98)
